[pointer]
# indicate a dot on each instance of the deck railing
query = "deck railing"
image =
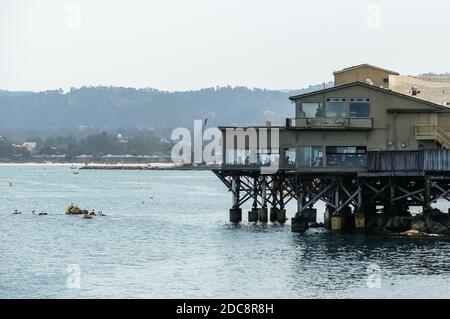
(432, 133)
(434, 161)
(348, 123)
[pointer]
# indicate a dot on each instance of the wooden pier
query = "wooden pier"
(393, 180)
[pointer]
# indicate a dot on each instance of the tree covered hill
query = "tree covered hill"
(110, 108)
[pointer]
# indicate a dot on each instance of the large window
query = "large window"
(336, 109)
(310, 156)
(347, 156)
(237, 156)
(289, 156)
(268, 157)
(310, 110)
(359, 109)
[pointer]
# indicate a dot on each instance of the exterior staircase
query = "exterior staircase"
(426, 132)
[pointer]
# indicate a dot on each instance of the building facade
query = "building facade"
(335, 128)
(355, 147)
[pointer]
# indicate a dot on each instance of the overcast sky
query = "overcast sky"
(190, 44)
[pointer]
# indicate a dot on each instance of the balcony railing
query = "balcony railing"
(434, 133)
(350, 123)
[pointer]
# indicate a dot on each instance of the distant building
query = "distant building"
(30, 146)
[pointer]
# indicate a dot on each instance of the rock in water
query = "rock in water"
(402, 224)
(418, 224)
(87, 216)
(437, 222)
(74, 210)
(412, 233)
(435, 227)
(390, 226)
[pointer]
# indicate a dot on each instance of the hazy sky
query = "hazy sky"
(189, 44)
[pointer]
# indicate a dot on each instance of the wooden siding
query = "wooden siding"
(436, 160)
(408, 161)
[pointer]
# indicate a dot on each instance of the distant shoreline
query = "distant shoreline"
(114, 166)
(40, 164)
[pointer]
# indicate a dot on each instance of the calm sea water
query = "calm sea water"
(167, 236)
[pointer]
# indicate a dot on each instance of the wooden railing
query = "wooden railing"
(434, 133)
(349, 123)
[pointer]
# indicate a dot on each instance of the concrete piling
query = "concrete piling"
(273, 214)
(281, 216)
(299, 224)
(310, 215)
(336, 223)
(262, 215)
(360, 220)
(235, 215)
(327, 216)
(253, 216)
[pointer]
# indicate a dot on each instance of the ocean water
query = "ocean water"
(166, 235)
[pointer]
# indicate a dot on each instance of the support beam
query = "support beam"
(360, 217)
(235, 211)
(235, 191)
(427, 192)
(336, 220)
(264, 192)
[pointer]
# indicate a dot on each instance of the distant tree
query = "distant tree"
(6, 148)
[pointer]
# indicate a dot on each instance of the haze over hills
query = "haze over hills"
(94, 109)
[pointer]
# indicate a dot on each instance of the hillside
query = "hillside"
(96, 109)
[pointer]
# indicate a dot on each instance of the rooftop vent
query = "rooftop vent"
(369, 82)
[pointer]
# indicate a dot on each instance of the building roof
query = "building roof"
(365, 65)
(335, 88)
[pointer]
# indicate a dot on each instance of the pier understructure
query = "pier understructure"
(353, 200)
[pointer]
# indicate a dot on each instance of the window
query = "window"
(240, 157)
(237, 156)
(289, 156)
(310, 156)
(268, 157)
(360, 99)
(310, 110)
(359, 109)
(335, 100)
(347, 156)
(336, 109)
